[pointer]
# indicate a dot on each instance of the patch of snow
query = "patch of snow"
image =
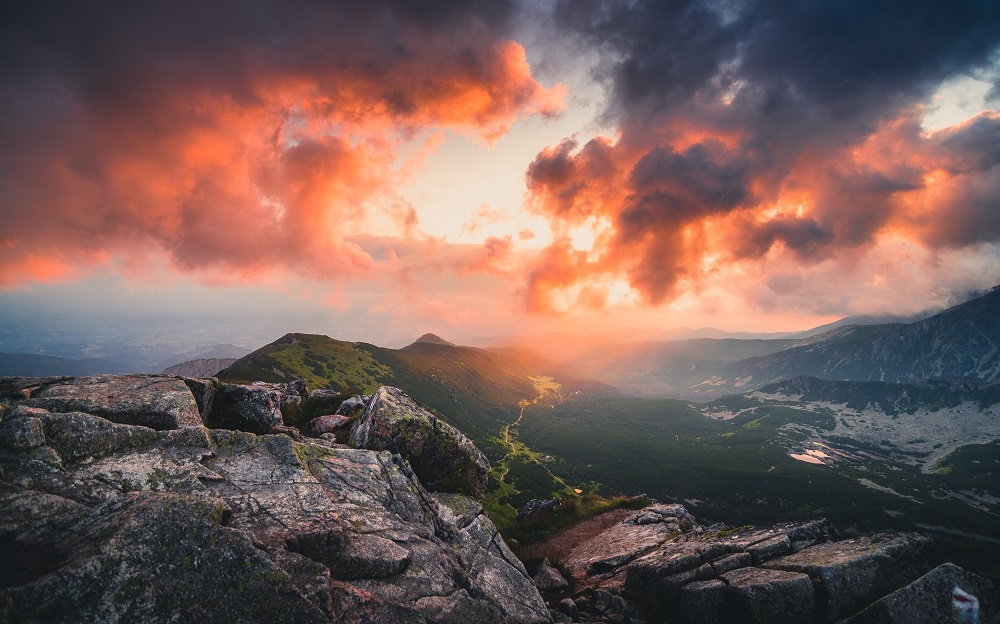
(809, 459)
(868, 483)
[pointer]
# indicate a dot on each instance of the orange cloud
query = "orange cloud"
(679, 210)
(261, 158)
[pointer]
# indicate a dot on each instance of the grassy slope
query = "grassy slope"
(323, 362)
(476, 390)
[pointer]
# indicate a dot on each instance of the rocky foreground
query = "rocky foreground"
(153, 498)
(659, 564)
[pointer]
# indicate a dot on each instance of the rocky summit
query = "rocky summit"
(117, 503)
(153, 498)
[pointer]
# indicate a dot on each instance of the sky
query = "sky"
(376, 170)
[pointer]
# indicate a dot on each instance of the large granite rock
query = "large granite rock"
(928, 600)
(26, 387)
(664, 565)
(761, 596)
(155, 401)
(443, 458)
(327, 424)
(852, 573)
(549, 579)
(108, 522)
(637, 535)
(255, 408)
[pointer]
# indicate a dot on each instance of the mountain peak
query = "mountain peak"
(433, 339)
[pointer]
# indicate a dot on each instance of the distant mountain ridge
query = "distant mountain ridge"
(206, 367)
(210, 352)
(433, 339)
(34, 365)
(963, 341)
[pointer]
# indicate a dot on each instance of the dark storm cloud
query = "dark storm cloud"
(232, 136)
(746, 127)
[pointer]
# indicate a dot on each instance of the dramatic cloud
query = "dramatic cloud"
(752, 156)
(758, 136)
(235, 138)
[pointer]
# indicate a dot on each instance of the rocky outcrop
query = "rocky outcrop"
(125, 507)
(536, 508)
(352, 405)
(105, 521)
(850, 574)
(256, 408)
(549, 579)
(327, 424)
(930, 598)
(155, 401)
(660, 565)
(443, 458)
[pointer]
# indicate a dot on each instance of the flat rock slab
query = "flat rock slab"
(618, 545)
(154, 401)
(442, 457)
(661, 572)
(853, 573)
(799, 534)
(928, 600)
(26, 387)
(761, 596)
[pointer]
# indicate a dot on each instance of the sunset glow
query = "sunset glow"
(493, 168)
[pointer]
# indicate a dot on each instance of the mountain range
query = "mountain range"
(875, 426)
(887, 426)
(962, 341)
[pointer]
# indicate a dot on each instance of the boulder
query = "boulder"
(194, 524)
(666, 568)
(703, 602)
(732, 562)
(928, 600)
(327, 424)
(441, 456)
(77, 436)
(537, 507)
(254, 408)
(155, 401)
(568, 607)
(761, 596)
(548, 579)
(146, 556)
(850, 574)
(769, 549)
(620, 544)
(489, 564)
(351, 405)
(22, 430)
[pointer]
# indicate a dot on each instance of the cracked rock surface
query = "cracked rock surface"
(659, 565)
(107, 521)
(443, 458)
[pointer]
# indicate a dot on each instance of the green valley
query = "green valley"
(867, 455)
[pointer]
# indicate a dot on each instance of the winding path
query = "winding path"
(505, 461)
